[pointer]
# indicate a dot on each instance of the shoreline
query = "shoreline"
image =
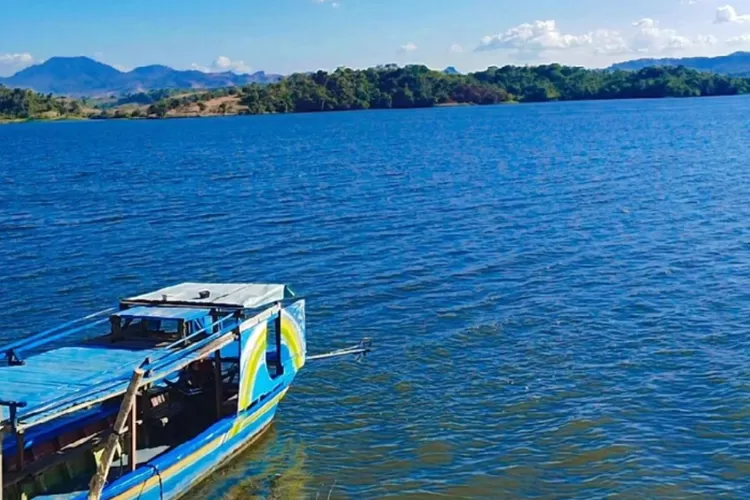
(382, 87)
(99, 118)
(11, 121)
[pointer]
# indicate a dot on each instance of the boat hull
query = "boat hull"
(174, 473)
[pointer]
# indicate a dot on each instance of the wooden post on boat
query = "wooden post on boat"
(97, 482)
(218, 384)
(21, 446)
(133, 436)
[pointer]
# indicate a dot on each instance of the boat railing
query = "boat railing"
(152, 366)
(103, 388)
(99, 385)
(115, 384)
(12, 351)
(194, 335)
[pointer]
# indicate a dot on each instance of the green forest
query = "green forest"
(19, 104)
(418, 86)
(390, 86)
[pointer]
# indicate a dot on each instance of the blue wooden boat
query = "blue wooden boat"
(177, 382)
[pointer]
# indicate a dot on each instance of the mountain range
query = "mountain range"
(82, 76)
(736, 64)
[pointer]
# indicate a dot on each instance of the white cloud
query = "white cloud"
(409, 47)
(610, 42)
(200, 67)
(728, 14)
(649, 37)
(456, 48)
(12, 63)
(645, 23)
(739, 40)
(24, 59)
(533, 37)
(223, 64)
(332, 3)
(704, 41)
(530, 40)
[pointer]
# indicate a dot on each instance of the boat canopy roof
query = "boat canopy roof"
(162, 313)
(66, 372)
(55, 383)
(237, 295)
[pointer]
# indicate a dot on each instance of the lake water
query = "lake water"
(559, 294)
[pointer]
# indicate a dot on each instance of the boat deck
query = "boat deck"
(63, 372)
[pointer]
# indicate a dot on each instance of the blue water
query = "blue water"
(559, 294)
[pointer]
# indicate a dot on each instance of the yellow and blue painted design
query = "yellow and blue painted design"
(293, 333)
(255, 378)
(254, 375)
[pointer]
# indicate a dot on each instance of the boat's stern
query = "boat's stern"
(272, 351)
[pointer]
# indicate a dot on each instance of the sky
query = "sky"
(284, 36)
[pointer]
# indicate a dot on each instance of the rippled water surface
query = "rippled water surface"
(559, 294)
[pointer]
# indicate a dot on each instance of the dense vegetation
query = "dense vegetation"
(390, 86)
(375, 88)
(144, 98)
(555, 82)
(19, 104)
(417, 86)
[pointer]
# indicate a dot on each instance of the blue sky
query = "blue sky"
(299, 35)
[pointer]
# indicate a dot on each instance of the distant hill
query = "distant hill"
(737, 64)
(82, 76)
(450, 70)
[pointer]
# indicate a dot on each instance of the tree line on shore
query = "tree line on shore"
(418, 86)
(24, 104)
(393, 87)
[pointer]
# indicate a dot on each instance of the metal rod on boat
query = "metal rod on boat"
(202, 330)
(160, 362)
(109, 391)
(361, 350)
(44, 334)
(105, 385)
(157, 363)
(46, 339)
